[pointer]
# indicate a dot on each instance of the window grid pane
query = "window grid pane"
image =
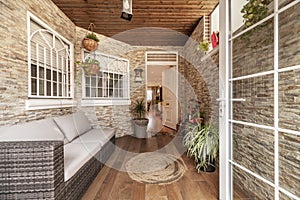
(50, 62)
(109, 83)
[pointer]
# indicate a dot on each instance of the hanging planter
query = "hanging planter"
(90, 41)
(90, 66)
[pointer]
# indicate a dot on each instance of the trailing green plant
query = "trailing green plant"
(254, 11)
(203, 45)
(89, 61)
(138, 109)
(92, 36)
(202, 144)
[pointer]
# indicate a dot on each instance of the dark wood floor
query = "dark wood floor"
(114, 184)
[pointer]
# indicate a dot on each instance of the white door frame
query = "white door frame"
(162, 63)
(225, 181)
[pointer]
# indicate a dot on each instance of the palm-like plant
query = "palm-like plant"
(138, 109)
(203, 144)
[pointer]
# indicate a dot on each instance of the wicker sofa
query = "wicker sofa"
(55, 158)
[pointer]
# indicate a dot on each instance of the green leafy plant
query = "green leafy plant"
(92, 36)
(202, 144)
(254, 11)
(204, 46)
(138, 109)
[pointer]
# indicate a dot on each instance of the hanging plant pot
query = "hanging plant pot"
(89, 44)
(90, 66)
(91, 69)
(90, 41)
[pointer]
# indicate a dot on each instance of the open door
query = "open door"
(169, 97)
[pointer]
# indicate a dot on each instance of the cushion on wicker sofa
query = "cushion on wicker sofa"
(81, 149)
(39, 130)
(73, 125)
(76, 154)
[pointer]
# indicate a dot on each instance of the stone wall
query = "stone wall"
(13, 56)
(201, 72)
(253, 52)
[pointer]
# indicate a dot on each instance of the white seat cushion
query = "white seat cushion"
(76, 154)
(101, 134)
(41, 130)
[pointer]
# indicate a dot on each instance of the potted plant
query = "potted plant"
(90, 41)
(204, 46)
(140, 123)
(90, 66)
(202, 143)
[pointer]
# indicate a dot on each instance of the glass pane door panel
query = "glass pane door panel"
(250, 187)
(289, 162)
(253, 51)
(258, 106)
(253, 148)
(289, 43)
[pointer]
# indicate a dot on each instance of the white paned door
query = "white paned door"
(169, 95)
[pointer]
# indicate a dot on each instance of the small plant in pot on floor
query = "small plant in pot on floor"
(140, 123)
(202, 144)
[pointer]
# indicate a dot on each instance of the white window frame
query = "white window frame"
(36, 102)
(106, 101)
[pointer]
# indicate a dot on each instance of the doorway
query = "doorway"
(162, 90)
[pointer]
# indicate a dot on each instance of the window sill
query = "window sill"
(39, 104)
(105, 102)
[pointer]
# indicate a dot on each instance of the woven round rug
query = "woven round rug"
(155, 168)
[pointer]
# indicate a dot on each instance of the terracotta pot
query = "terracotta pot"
(89, 44)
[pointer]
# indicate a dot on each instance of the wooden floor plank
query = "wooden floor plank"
(115, 184)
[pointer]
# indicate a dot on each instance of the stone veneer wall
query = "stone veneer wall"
(13, 56)
(254, 147)
(201, 72)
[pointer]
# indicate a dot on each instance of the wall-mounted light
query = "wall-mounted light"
(138, 75)
(127, 10)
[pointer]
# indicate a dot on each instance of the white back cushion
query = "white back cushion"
(67, 126)
(41, 130)
(73, 125)
(81, 122)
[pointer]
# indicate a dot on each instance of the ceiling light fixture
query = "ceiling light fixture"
(127, 10)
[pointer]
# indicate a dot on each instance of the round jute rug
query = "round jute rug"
(155, 168)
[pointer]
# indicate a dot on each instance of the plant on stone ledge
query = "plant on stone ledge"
(203, 45)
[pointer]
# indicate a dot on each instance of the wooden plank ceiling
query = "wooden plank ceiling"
(154, 22)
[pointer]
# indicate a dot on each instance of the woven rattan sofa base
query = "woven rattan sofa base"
(31, 170)
(35, 170)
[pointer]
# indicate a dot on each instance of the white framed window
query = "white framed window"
(50, 66)
(110, 85)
